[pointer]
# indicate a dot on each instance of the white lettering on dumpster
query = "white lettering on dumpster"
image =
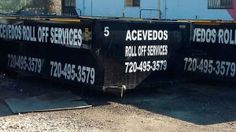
(142, 46)
(25, 63)
(210, 66)
(73, 72)
(145, 66)
(146, 50)
(42, 34)
(219, 36)
(66, 36)
(146, 35)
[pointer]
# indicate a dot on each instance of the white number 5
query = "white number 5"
(106, 31)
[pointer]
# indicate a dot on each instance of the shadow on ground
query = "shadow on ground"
(201, 104)
(20, 88)
(23, 87)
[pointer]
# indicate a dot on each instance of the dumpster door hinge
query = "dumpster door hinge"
(118, 90)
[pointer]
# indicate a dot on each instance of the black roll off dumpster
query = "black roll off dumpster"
(104, 53)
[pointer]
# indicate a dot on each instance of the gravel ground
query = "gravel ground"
(179, 108)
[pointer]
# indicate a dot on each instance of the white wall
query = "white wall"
(191, 9)
(171, 9)
(101, 7)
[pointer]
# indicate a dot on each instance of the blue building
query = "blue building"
(155, 9)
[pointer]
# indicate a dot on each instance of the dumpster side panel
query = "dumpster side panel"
(103, 53)
(140, 52)
(212, 55)
(54, 49)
